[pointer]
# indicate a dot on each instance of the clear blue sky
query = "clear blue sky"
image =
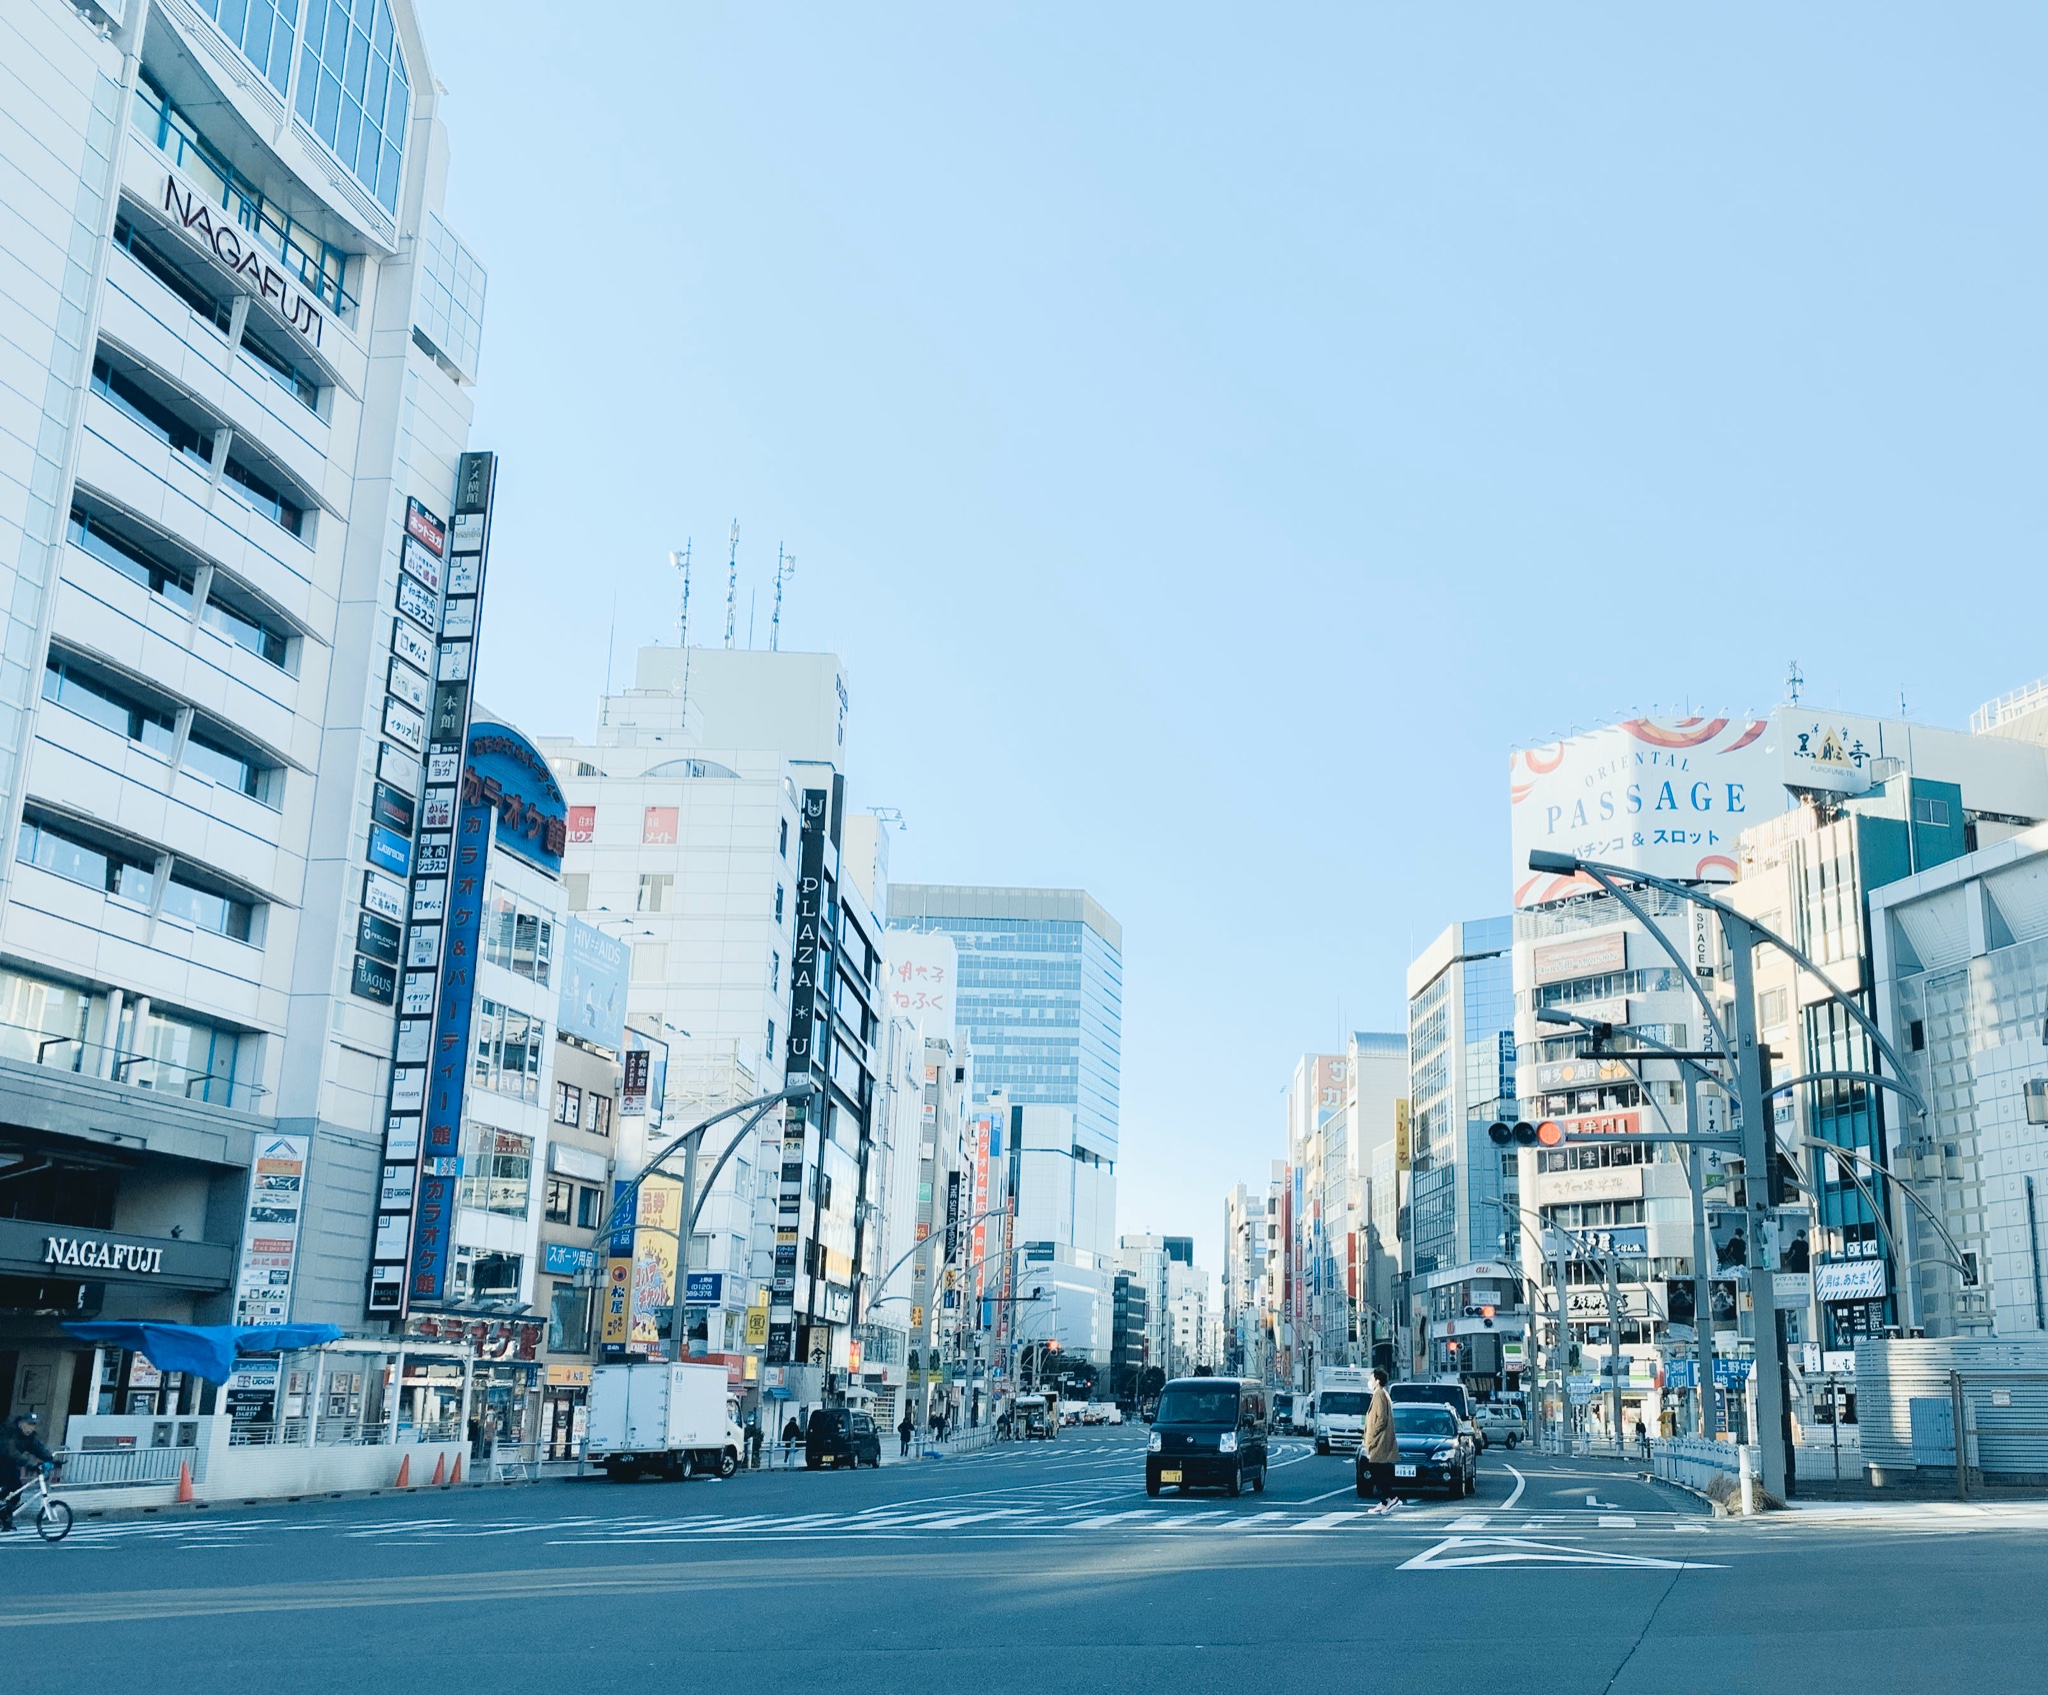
(1212, 442)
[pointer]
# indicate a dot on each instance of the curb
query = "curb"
(107, 1515)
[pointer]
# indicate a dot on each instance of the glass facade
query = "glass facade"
(451, 316)
(262, 29)
(354, 93)
(1041, 1009)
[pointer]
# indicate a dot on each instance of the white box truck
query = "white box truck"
(1343, 1396)
(658, 1416)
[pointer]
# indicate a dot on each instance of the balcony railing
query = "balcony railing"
(35, 1046)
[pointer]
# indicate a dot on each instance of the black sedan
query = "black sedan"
(1435, 1454)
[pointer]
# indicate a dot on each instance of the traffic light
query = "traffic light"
(1550, 1133)
(1501, 1133)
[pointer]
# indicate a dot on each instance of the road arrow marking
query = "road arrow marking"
(1449, 1555)
(1595, 1501)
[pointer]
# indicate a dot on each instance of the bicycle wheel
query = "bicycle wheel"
(53, 1522)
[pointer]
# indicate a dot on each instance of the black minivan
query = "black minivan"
(838, 1438)
(1210, 1432)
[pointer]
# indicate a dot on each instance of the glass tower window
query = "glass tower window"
(262, 29)
(354, 93)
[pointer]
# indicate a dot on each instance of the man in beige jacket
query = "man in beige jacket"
(1380, 1446)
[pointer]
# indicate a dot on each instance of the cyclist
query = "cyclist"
(22, 1454)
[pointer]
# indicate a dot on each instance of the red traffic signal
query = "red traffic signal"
(1550, 1132)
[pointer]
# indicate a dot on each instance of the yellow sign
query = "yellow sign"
(1402, 1150)
(654, 1258)
(917, 1318)
(614, 1326)
(757, 1328)
(568, 1377)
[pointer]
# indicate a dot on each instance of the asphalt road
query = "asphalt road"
(1041, 1566)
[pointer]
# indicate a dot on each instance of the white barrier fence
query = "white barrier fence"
(1695, 1463)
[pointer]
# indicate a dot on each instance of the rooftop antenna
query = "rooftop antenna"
(753, 594)
(611, 647)
(732, 584)
(785, 568)
(1794, 682)
(681, 561)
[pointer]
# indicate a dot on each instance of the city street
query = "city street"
(1047, 1560)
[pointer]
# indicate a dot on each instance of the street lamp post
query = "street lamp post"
(1742, 936)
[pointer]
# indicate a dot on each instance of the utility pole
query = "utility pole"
(1563, 1351)
(1614, 1350)
(1759, 1167)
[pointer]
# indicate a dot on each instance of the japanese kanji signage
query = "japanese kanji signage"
(448, 860)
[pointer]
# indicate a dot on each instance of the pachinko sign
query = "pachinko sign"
(1667, 796)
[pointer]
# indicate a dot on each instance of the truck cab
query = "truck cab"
(1343, 1397)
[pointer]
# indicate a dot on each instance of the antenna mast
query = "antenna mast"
(681, 561)
(1794, 682)
(785, 568)
(732, 583)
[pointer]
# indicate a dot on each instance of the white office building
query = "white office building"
(238, 339)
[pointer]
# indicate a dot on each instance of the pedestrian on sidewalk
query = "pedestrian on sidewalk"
(754, 1440)
(1381, 1447)
(1642, 1437)
(906, 1430)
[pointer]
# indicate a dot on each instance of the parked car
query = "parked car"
(1435, 1453)
(838, 1438)
(1210, 1431)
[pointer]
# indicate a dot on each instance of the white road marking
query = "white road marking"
(1521, 1483)
(1471, 1521)
(1595, 1501)
(1348, 1489)
(1460, 1552)
(1610, 1522)
(1330, 1521)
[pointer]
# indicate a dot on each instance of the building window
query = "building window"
(598, 1109)
(93, 696)
(561, 1197)
(207, 754)
(778, 903)
(589, 1208)
(568, 1104)
(654, 891)
(354, 93)
(209, 909)
(517, 937)
(262, 29)
(508, 1050)
(497, 1168)
(1916, 1035)
(782, 844)
(125, 394)
(650, 962)
(569, 1320)
(281, 369)
(769, 1049)
(1771, 1008)
(260, 494)
(483, 1274)
(71, 856)
(215, 309)
(1929, 810)
(774, 974)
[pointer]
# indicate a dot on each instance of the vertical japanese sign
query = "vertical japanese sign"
(270, 1230)
(440, 593)
(981, 1157)
(809, 965)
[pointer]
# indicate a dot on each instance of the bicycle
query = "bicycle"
(53, 1517)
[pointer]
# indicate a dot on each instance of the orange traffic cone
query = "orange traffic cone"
(440, 1468)
(455, 1476)
(404, 1473)
(184, 1483)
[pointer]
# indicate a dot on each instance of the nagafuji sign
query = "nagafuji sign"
(212, 228)
(85, 1253)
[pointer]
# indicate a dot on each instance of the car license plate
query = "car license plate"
(1169, 1477)
(827, 1460)
(1404, 1471)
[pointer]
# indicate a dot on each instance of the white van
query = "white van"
(1343, 1396)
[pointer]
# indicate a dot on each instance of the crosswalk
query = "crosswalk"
(996, 1516)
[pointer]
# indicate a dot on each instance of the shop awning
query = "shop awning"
(205, 1350)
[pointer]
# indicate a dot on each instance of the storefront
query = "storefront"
(506, 1411)
(53, 1272)
(565, 1415)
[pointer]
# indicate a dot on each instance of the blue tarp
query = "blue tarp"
(206, 1350)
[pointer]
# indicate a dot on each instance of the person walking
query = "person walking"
(905, 1431)
(1381, 1447)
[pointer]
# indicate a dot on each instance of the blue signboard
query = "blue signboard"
(563, 1260)
(390, 851)
(703, 1288)
(593, 969)
(448, 1073)
(1685, 1374)
(505, 771)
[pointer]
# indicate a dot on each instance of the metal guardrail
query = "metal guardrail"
(115, 1468)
